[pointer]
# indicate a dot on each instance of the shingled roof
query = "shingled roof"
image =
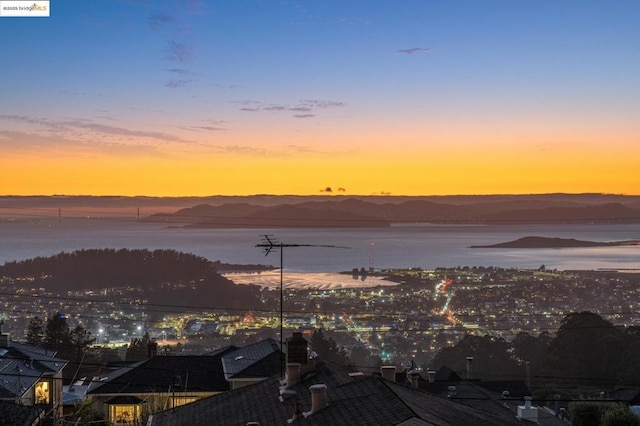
(21, 366)
(159, 373)
(261, 359)
(354, 401)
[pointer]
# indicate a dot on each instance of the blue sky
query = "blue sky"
(192, 85)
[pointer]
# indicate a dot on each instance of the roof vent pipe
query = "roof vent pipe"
(414, 378)
(293, 373)
(388, 372)
(318, 397)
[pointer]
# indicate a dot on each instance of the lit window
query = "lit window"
(42, 393)
(124, 414)
(124, 410)
(182, 400)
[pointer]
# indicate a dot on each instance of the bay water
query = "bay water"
(420, 245)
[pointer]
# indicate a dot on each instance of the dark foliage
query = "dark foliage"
(586, 349)
(327, 348)
(166, 277)
(36, 332)
(104, 268)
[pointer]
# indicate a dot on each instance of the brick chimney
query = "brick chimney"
(414, 378)
(388, 372)
(297, 349)
(5, 338)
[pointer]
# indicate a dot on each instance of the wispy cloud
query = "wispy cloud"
(176, 51)
(202, 128)
(121, 131)
(180, 71)
(159, 19)
(45, 145)
(306, 106)
(415, 50)
(70, 128)
(314, 103)
(275, 108)
(177, 83)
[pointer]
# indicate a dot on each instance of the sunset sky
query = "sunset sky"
(423, 97)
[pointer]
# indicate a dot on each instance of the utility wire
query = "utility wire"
(162, 308)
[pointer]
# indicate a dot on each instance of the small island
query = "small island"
(548, 242)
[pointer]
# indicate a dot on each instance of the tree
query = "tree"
(587, 346)
(80, 340)
(491, 358)
(587, 413)
(363, 360)
(527, 348)
(619, 416)
(139, 349)
(327, 348)
(592, 413)
(57, 335)
(36, 333)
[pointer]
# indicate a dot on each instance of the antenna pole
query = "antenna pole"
(281, 299)
(268, 245)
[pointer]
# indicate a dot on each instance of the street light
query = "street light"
(139, 331)
(100, 335)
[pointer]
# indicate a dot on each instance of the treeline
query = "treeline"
(165, 276)
(586, 350)
(103, 268)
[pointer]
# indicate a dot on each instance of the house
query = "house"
(316, 392)
(132, 393)
(253, 363)
(497, 397)
(30, 376)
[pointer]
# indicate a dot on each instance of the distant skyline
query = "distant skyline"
(424, 97)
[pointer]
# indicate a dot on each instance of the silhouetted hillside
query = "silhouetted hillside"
(361, 213)
(282, 216)
(165, 276)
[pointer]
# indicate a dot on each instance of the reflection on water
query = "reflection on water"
(310, 280)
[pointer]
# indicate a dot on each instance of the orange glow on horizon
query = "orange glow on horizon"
(411, 167)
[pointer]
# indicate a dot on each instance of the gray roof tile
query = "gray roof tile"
(365, 401)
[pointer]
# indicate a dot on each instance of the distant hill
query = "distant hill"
(165, 277)
(353, 212)
(334, 210)
(282, 216)
(546, 242)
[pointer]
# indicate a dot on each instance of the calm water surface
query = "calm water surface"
(401, 246)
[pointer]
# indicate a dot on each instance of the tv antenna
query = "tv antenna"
(269, 244)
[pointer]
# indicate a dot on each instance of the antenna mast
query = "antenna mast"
(269, 244)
